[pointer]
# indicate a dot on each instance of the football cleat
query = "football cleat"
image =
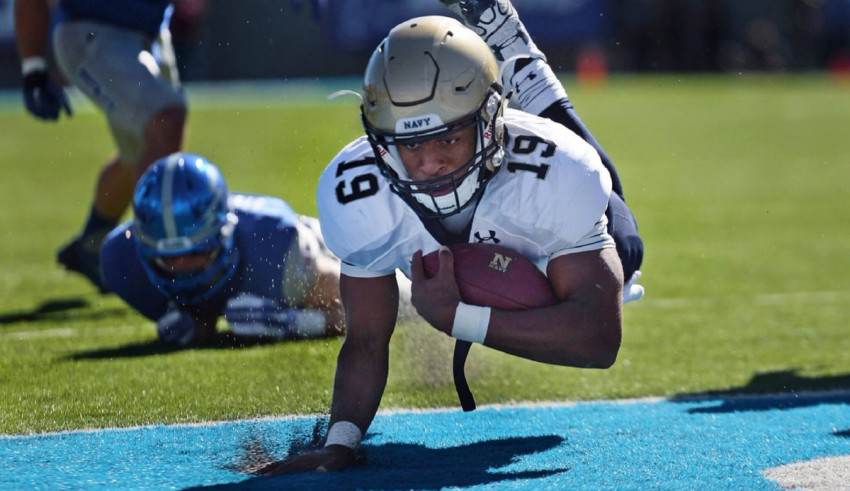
(498, 24)
(81, 255)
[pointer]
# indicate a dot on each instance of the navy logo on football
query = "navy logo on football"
(500, 263)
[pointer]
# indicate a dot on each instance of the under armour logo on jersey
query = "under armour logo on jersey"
(492, 237)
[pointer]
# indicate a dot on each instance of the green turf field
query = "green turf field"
(740, 185)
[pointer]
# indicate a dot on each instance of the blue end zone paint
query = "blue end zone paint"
(722, 443)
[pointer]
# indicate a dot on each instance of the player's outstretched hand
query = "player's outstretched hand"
(330, 458)
(44, 98)
(435, 298)
(177, 327)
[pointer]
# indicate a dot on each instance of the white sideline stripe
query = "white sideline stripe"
(760, 299)
(648, 302)
(63, 332)
(60, 332)
(802, 297)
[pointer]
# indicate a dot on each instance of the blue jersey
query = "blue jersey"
(140, 15)
(264, 237)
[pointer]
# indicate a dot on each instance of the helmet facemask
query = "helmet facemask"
(211, 248)
(465, 183)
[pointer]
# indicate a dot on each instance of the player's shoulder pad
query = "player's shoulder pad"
(362, 219)
(122, 233)
(117, 249)
(258, 212)
(551, 174)
(259, 204)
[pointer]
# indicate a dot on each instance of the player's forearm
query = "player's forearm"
(571, 334)
(361, 377)
(325, 296)
(583, 329)
(32, 20)
(361, 372)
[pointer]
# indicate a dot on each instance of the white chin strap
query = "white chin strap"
(447, 203)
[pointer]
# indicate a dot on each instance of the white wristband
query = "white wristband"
(471, 323)
(32, 64)
(344, 433)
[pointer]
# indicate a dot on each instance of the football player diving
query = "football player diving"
(194, 252)
(445, 161)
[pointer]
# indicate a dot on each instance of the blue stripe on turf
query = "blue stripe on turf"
(670, 444)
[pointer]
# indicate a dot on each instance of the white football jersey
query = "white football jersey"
(548, 199)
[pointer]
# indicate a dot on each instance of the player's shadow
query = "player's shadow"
(157, 347)
(784, 389)
(57, 310)
(410, 466)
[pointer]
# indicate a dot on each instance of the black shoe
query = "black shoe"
(82, 258)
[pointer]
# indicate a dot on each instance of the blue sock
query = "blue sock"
(98, 224)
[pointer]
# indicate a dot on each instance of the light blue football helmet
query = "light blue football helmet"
(180, 207)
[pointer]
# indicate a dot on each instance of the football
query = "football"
(494, 276)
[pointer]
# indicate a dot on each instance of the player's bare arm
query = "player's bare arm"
(205, 327)
(31, 25)
(582, 330)
(371, 306)
(324, 295)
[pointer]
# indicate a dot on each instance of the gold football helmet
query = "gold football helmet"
(429, 77)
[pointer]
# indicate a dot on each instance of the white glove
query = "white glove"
(251, 315)
(631, 290)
